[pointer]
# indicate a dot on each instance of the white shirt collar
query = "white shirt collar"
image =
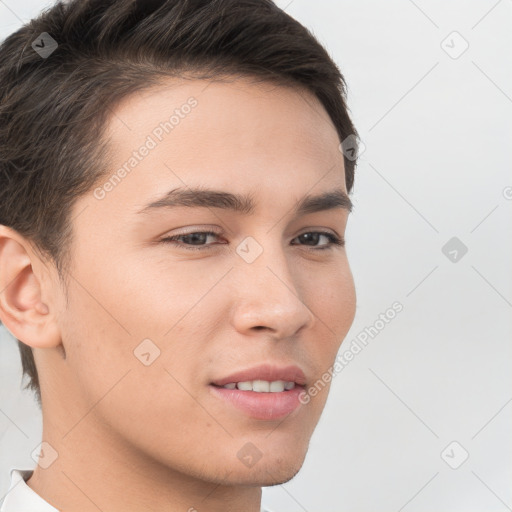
(20, 497)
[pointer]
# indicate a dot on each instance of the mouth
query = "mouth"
(260, 386)
(264, 392)
(263, 373)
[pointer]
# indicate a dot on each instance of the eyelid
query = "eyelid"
(318, 229)
(188, 230)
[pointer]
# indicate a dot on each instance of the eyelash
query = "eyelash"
(333, 239)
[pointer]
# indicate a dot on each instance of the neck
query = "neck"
(95, 471)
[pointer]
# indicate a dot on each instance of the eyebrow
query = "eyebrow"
(207, 198)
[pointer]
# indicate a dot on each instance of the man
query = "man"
(173, 204)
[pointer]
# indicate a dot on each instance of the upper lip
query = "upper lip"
(267, 372)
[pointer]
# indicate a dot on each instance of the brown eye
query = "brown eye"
(195, 240)
(312, 238)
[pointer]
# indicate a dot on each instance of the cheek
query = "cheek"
(127, 314)
(332, 298)
(98, 337)
(98, 352)
(138, 401)
(333, 301)
(159, 295)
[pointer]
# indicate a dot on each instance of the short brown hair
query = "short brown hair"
(53, 108)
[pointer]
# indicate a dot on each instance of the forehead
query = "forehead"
(236, 135)
(214, 115)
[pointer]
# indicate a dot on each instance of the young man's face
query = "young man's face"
(255, 293)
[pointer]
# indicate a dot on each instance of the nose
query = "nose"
(267, 297)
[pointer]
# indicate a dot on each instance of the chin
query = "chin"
(266, 473)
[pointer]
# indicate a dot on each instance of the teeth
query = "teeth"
(261, 386)
(277, 386)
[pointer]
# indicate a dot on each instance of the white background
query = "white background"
(437, 165)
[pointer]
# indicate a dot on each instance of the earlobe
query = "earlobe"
(22, 309)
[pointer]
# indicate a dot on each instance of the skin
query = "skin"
(153, 437)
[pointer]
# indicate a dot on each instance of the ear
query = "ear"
(23, 308)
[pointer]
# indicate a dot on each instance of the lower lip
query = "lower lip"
(261, 406)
